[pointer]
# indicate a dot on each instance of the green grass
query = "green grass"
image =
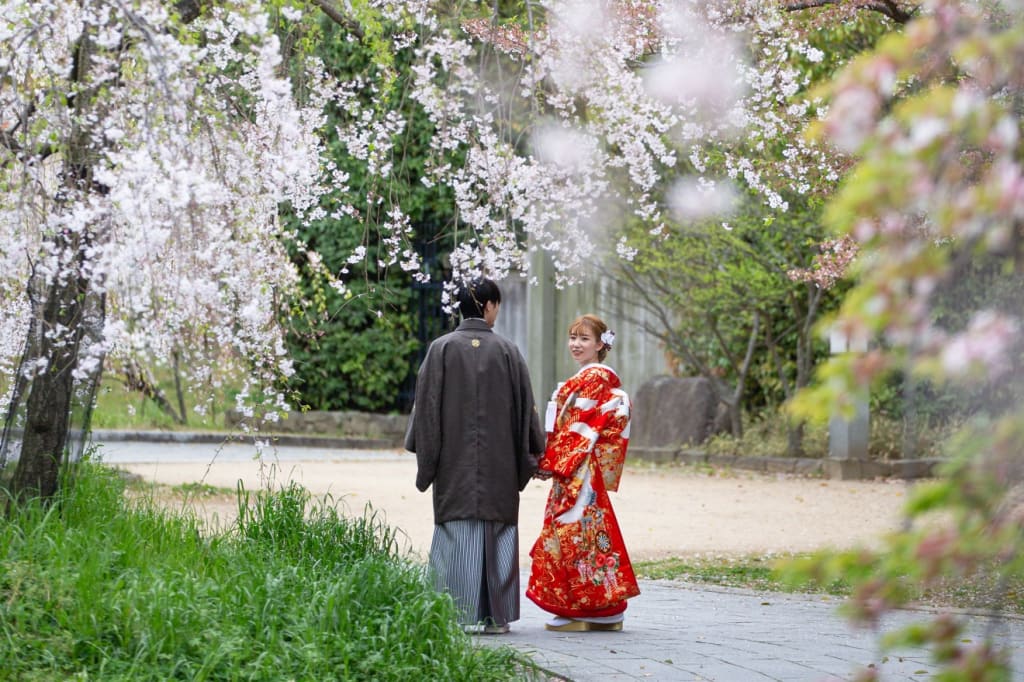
(751, 572)
(118, 408)
(200, 490)
(97, 586)
(976, 591)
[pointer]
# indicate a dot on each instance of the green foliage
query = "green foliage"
(962, 543)
(93, 586)
(359, 350)
(351, 358)
(712, 281)
(766, 433)
(839, 41)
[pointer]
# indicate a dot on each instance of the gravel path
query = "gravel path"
(663, 511)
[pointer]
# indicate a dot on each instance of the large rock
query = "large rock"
(671, 412)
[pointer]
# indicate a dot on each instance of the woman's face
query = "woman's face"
(584, 344)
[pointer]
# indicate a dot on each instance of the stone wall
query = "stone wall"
(389, 428)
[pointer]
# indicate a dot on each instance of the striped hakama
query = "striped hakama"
(477, 562)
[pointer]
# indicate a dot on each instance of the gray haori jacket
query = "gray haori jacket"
(474, 427)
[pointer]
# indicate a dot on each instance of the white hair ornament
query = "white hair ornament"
(608, 338)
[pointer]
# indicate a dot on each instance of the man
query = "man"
(477, 437)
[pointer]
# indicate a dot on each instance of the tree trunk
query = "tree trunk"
(178, 389)
(804, 363)
(804, 360)
(735, 419)
(49, 404)
(742, 372)
(908, 445)
(795, 439)
(52, 361)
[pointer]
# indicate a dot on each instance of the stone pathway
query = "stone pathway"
(677, 631)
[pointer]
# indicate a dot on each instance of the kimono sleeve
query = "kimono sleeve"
(613, 439)
(424, 433)
(577, 429)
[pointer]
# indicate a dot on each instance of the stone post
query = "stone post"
(848, 437)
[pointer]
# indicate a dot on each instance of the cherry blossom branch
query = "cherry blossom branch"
(18, 152)
(885, 7)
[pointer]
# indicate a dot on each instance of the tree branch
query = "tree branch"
(885, 7)
(188, 10)
(335, 15)
(667, 333)
(748, 358)
(773, 349)
(138, 378)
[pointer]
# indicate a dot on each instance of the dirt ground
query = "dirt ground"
(663, 511)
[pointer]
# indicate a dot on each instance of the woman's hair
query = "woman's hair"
(596, 326)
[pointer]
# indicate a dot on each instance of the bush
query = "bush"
(764, 435)
(351, 359)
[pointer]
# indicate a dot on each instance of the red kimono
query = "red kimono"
(580, 565)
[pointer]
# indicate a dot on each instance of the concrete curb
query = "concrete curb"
(800, 466)
(339, 443)
(827, 468)
(841, 469)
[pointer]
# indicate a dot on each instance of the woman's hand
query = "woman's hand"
(543, 474)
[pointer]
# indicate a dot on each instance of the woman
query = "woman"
(581, 572)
